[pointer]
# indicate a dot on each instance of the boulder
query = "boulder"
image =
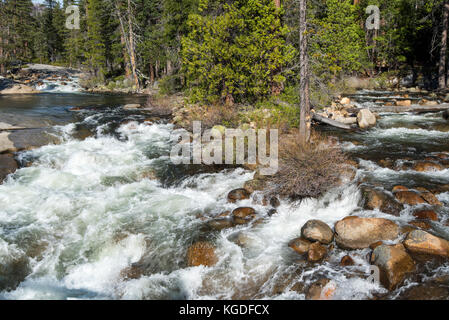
(316, 252)
(19, 89)
(366, 119)
(237, 195)
(409, 197)
(426, 215)
(394, 264)
(375, 199)
(6, 145)
(300, 245)
(426, 166)
(360, 233)
(345, 101)
(7, 165)
(201, 253)
(243, 215)
(316, 230)
(422, 242)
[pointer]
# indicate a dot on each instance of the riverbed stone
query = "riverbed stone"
(376, 199)
(422, 242)
(7, 165)
(427, 166)
(220, 223)
(317, 230)
(360, 233)
(394, 264)
(409, 197)
(132, 106)
(429, 196)
(316, 252)
(426, 215)
(201, 253)
(366, 119)
(346, 261)
(322, 289)
(243, 215)
(238, 194)
(300, 245)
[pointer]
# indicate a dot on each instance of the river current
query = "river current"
(110, 217)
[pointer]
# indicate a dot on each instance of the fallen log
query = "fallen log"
(331, 122)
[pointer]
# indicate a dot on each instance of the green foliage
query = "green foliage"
(238, 55)
(337, 39)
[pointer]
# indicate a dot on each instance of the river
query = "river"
(84, 218)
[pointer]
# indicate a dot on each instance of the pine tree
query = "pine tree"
(95, 48)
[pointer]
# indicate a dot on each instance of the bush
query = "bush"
(306, 171)
(170, 85)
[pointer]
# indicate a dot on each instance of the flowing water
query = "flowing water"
(85, 218)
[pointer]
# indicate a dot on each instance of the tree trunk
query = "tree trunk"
(443, 49)
(277, 3)
(132, 47)
(304, 105)
(125, 56)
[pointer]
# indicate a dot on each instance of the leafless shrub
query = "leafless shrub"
(162, 105)
(306, 171)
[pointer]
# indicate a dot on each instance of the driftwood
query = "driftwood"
(331, 122)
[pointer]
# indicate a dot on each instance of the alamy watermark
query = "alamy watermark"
(227, 146)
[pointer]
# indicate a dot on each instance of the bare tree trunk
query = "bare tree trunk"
(132, 47)
(304, 105)
(152, 77)
(443, 49)
(277, 3)
(125, 56)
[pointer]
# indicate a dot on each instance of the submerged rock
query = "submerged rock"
(7, 165)
(316, 252)
(360, 233)
(394, 264)
(426, 166)
(220, 223)
(243, 215)
(201, 253)
(322, 289)
(422, 242)
(316, 230)
(238, 194)
(132, 106)
(300, 245)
